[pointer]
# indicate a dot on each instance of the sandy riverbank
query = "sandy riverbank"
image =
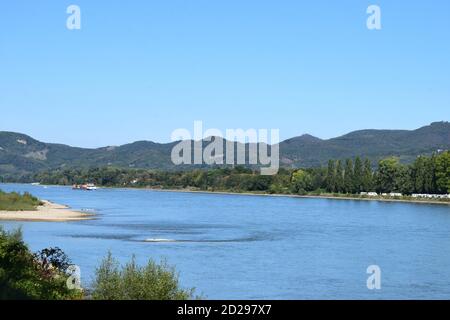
(49, 211)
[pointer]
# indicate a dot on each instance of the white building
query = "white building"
(395, 194)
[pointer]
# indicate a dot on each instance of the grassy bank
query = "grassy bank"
(18, 202)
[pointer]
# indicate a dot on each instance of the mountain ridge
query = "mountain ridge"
(22, 154)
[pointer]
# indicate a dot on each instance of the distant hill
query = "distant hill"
(21, 154)
(374, 144)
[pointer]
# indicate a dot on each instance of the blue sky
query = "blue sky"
(137, 70)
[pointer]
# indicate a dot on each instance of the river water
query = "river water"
(257, 247)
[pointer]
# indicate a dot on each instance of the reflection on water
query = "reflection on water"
(235, 246)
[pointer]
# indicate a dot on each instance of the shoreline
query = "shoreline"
(331, 197)
(307, 196)
(48, 212)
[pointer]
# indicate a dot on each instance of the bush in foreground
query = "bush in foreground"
(132, 282)
(24, 276)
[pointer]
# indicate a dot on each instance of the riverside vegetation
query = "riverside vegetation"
(427, 174)
(44, 275)
(14, 201)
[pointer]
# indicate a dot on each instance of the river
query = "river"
(257, 247)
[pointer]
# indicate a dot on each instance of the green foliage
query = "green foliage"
(357, 181)
(43, 276)
(301, 182)
(331, 177)
(367, 176)
(18, 202)
(132, 282)
(424, 175)
(403, 182)
(442, 167)
(349, 177)
(388, 175)
(22, 276)
(51, 258)
(339, 177)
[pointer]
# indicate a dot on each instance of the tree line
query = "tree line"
(427, 174)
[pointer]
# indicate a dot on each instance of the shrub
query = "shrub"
(132, 282)
(51, 258)
(23, 277)
(14, 201)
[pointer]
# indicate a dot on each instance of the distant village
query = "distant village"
(414, 195)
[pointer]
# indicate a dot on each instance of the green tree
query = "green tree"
(348, 176)
(133, 282)
(367, 179)
(301, 182)
(423, 175)
(357, 175)
(331, 177)
(387, 175)
(339, 187)
(442, 167)
(22, 276)
(404, 181)
(318, 176)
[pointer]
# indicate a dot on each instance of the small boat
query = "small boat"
(88, 187)
(91, 186)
